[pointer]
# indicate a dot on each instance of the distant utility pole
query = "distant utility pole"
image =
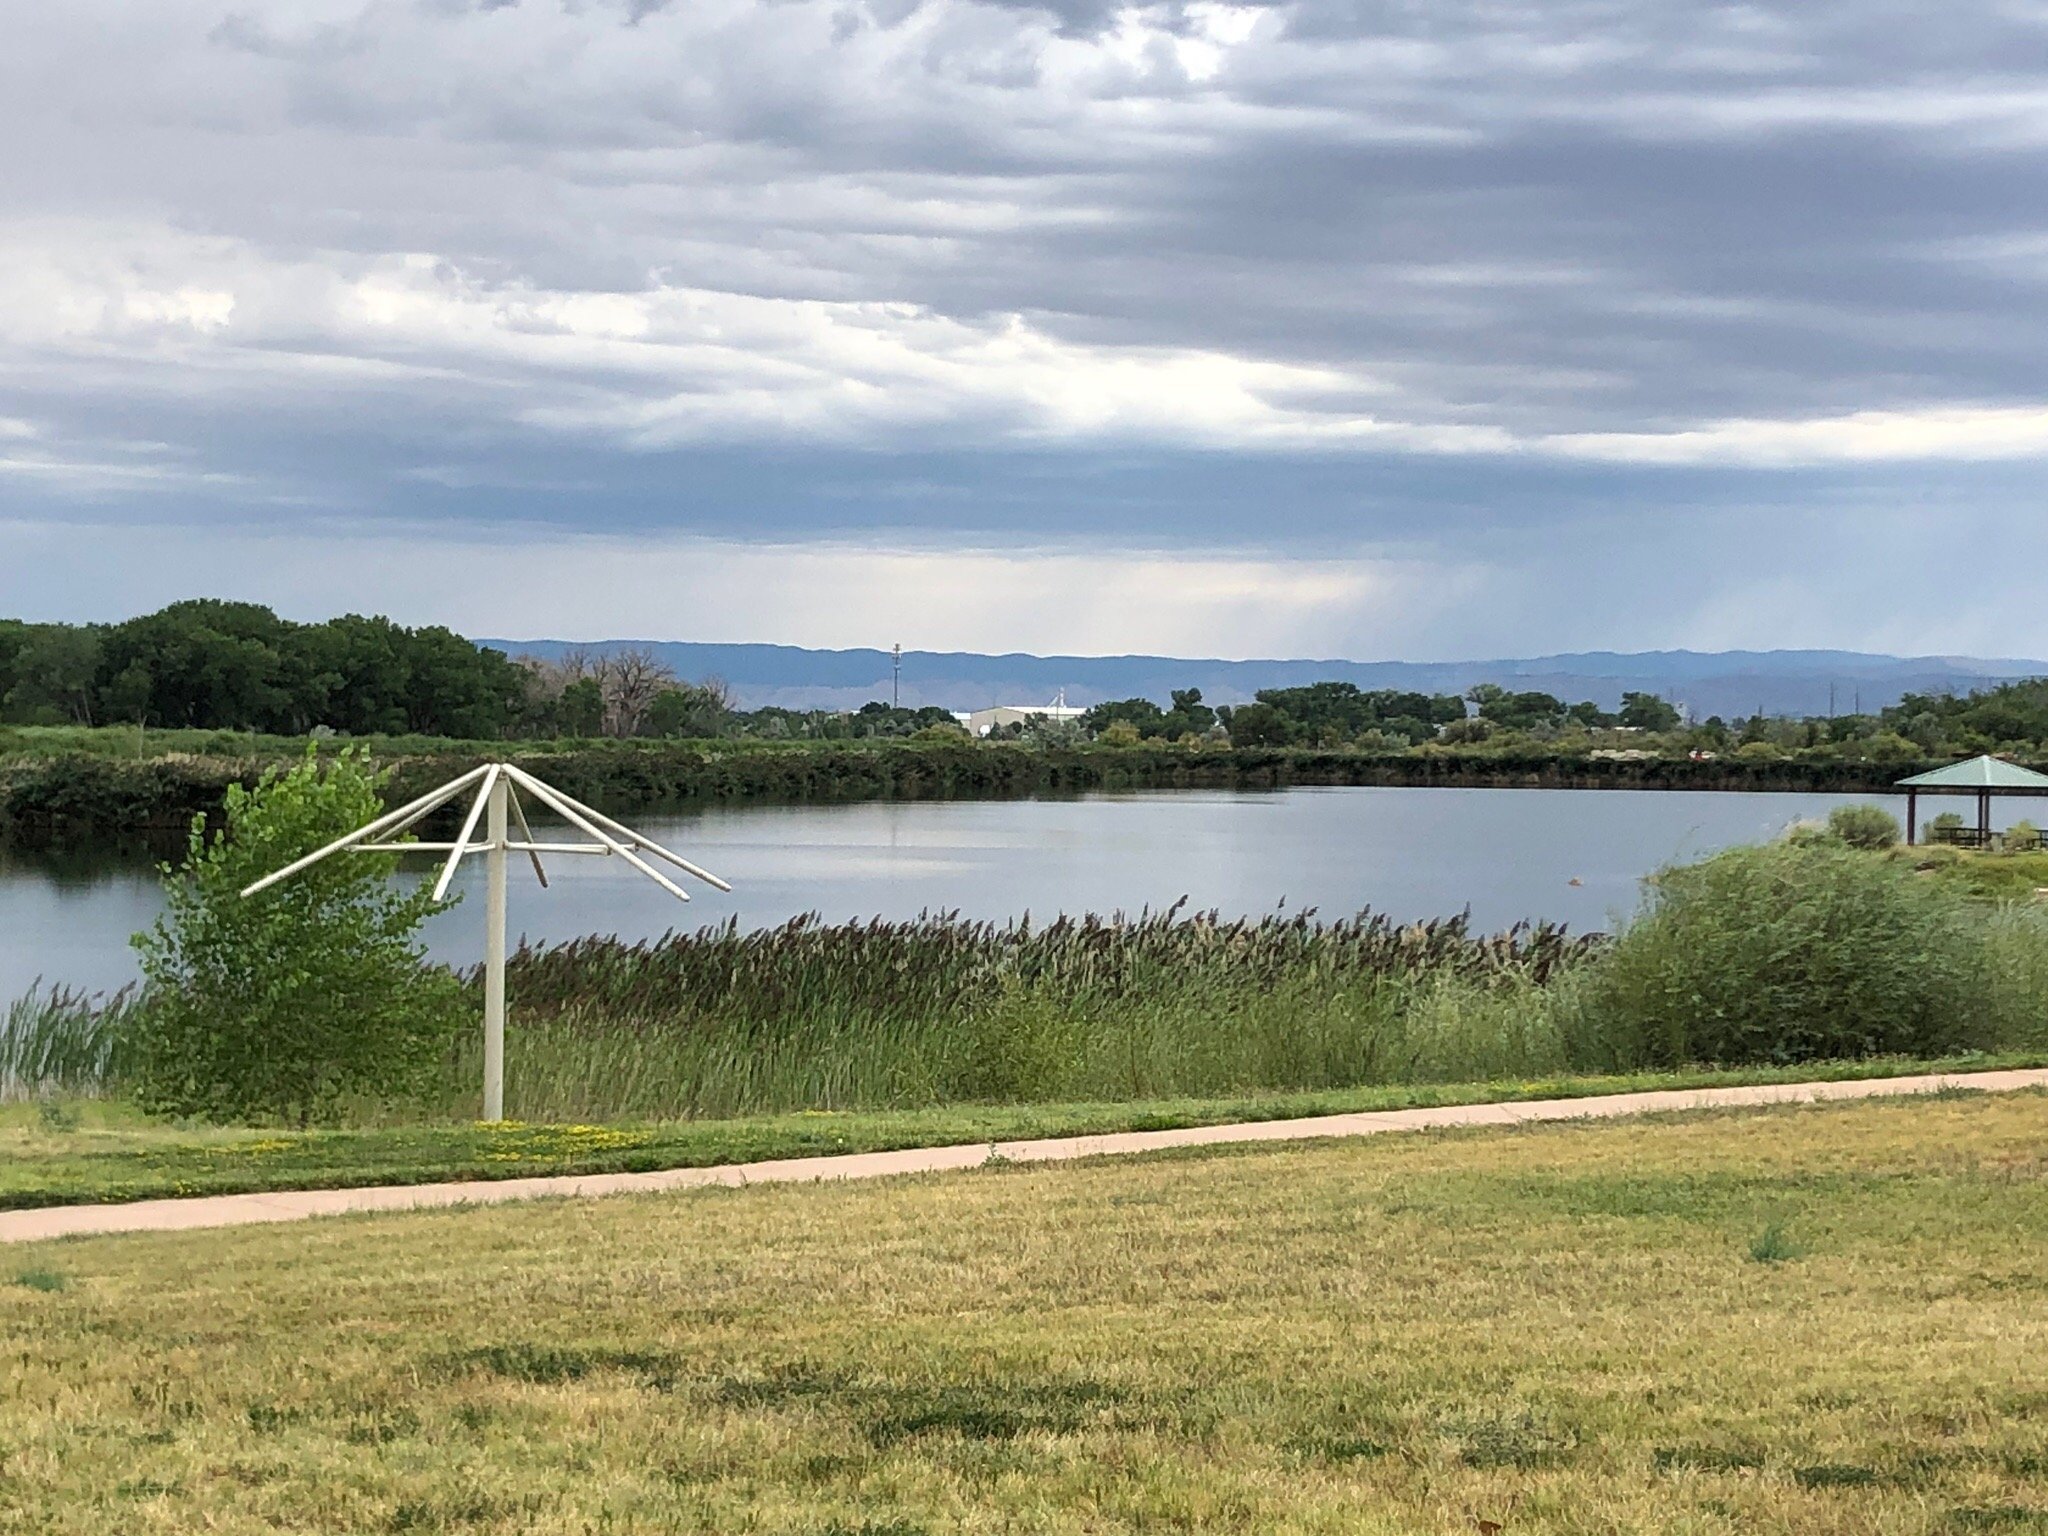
(1831, 701)
(896, 676)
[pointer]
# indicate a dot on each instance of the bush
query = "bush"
(2016, 946)
(1864, 826)
(1795, 953)
(278, 1005)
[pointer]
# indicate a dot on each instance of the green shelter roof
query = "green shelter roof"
(1979, 773)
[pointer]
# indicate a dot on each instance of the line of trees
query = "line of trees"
(213, 665)
(1388, 719)
(217, 665)
(238, 666)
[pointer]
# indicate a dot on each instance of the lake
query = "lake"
(1575, 856)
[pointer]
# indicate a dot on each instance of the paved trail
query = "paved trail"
(239, 1210)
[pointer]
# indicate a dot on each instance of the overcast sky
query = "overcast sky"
(1420, 328)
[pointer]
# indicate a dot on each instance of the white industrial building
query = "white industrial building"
(981, 721)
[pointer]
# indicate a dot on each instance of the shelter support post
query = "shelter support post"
(1912, 815)
(1984, 818)
(496, 835)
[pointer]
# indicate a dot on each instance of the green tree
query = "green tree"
(351, 673)
(1517, 711)
(1647, 712)
(456, 688)
(1332, 713)
(209, 663)
(279, 1005)
(1259, 725)
(688, 709)
(580, 709)
(1142, 715)
(14, 635)
(54, 671)
(1188, 714)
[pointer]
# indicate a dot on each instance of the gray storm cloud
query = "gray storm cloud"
(1365, 281)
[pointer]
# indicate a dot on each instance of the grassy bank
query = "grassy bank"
(1819, 1321)
(71, 782)
(1992, 877)
(94, 1151)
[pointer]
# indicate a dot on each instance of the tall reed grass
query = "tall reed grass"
(58, 1039)
(940, 1009)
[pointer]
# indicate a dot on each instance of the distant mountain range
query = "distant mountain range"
(1726, 683)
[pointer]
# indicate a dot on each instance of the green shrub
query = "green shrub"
(1792, 953)
(278, 1005)
(2016, 961)
(1864, 826)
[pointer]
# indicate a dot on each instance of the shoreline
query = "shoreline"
(71, 797)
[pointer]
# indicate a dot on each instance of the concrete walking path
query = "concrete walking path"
(296, 1205)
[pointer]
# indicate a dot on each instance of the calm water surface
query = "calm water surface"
(1574, 856)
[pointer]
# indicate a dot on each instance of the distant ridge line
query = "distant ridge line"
(1732, 684)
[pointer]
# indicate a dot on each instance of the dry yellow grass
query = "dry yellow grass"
(1557, 1330)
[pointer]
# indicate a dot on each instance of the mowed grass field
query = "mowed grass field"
(1814, 1320)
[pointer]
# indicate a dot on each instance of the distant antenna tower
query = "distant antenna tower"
(896, 676)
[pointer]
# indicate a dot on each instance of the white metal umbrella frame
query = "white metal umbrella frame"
(497, 787)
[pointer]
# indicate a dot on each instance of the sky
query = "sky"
(1362, 328)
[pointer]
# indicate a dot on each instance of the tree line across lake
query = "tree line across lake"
(212, 665)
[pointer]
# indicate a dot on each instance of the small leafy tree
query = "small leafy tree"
(275, 1006)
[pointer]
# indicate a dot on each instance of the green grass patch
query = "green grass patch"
(1774, 1245)
(113, 1154)
(1293, 1340)
(1981, 874)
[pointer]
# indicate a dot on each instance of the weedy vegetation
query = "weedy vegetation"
(1774, 1245)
